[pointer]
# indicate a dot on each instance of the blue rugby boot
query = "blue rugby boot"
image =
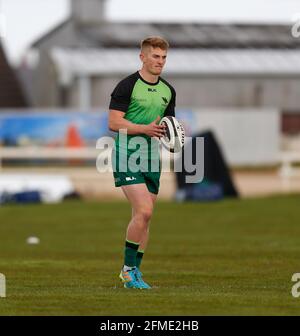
(129, 278)
(142, 283)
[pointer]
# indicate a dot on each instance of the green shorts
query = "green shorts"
(149, 171)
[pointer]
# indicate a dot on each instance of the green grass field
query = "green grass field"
(225, 258)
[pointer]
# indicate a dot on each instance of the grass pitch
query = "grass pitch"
(225, 258)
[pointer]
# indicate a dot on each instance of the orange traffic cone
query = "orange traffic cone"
(73, 137)
(74, 140)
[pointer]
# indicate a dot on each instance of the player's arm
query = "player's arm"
(170, 110)
(117, 122)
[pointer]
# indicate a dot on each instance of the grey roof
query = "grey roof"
(182, 35)
(189, 35)
(90, 62)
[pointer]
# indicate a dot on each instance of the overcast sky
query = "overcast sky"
(22, 21)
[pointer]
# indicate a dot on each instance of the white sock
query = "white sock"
(127, 268)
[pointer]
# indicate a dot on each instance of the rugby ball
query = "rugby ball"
(173, 140)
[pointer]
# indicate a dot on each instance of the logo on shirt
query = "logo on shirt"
(165, 100)
(141, 100)
(151, 90)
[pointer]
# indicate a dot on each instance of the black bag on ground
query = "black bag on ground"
(217, 182)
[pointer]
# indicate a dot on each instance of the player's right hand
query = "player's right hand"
(154, 130)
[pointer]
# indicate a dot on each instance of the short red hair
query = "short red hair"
(155, 42)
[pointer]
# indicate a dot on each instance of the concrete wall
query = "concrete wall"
(246, 136)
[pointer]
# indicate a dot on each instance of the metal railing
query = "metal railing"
(29, 153)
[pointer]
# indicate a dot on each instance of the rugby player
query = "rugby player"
(137, 104)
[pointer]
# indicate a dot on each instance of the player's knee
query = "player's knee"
(145, 214)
